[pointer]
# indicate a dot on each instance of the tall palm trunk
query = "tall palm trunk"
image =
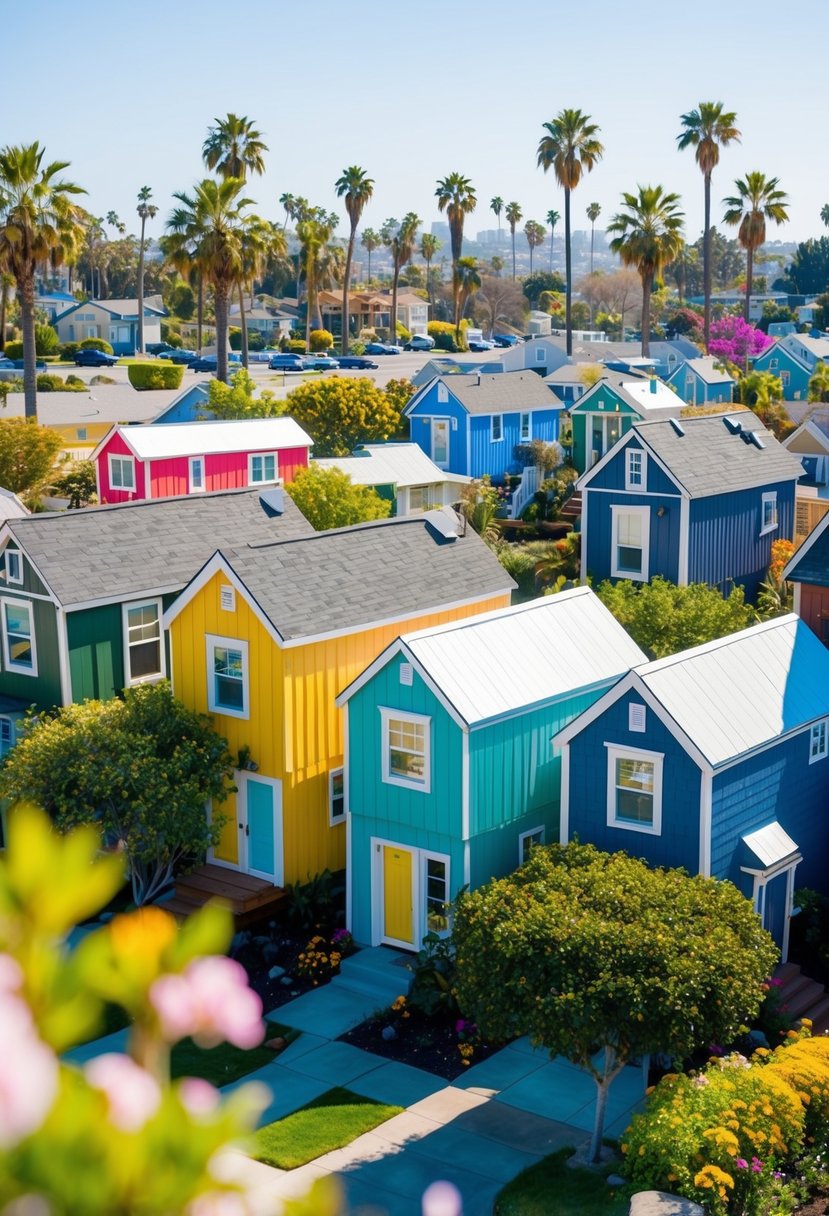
(568, 312)
(647, 287)
(221, 294)
(26, 288)
(706, 265)
(243, 323)
(393, 319)
(552, 233)
(346, 284)
(4, 303)
(310, 273)
(200, 311)
(429, 292)
(513, 252)
(368, 280)
(749, 281)
(141, 290)
(531, 259)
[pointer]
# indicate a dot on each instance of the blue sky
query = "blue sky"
(413, 92)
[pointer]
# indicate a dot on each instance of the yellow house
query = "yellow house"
(264, 638)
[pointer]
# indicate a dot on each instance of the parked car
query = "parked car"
(94, 358)
(260, 356)
(319, 363)
(286, 363)
(357, 362)
(158, 348)
(420, 342)
(383, 348)
(181, 355)
(480, 344)
(505, 339)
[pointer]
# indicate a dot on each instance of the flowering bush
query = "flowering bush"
(318, 961)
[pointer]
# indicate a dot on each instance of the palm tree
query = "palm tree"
(287, 201)
(469, 279)
(496, 205)
(819, 383)
(429, 245)
(355, 189)
(315, 227)
(208, 229)
(552, 219)
(535, 234)
(6, 282)
(649, 236)
(146, 211)
(824, 214)
(456, 196)
(571, 148)
(400, 239)
(115, 221)
(514, 216)
(260, 241)
(593, 213)
(234, 148)
(758, 199)
(370, 240)
(38, 223)
(708, 128)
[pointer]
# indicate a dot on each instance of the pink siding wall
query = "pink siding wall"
(290, 460)
(118, 447)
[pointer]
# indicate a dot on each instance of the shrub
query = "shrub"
(14, 350)
(102, 380)
(96, 344)
(170, 334)
(144, 376)
(321, 339)
(69, 350)
(356, 347)
(294, 347)
(47, 341)
(49, 382)
(444, 334)
(403, 334)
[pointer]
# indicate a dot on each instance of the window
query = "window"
(634, 469)
(773, 364)
(768, 513)
(336, 796)
(14, 566)
(227, 676)
(526, 842)
(264, 467)
(436, 894)
(785, 378)
(819, 741)
(122, 472)
(144, 646)
(19, 652)
(405, 744)
(541, 355)
(630, 536)
(80, 434)
(443, 394)
(196, 474)
(689, 384)
(634, 790)
(7, 735)
(496, 428)
(419, 498)
(526, 428)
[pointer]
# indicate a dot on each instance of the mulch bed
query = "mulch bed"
(817, 1206)
(272, 945)
(430, 1043)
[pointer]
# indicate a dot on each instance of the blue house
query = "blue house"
(189, 406)
(794, 373)
(695, 500)
(703, 381)
(449, 774)
(472, 424)
(715, 759)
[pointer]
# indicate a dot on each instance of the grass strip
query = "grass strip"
(330, 1121)
(552, 1188)
(223, 1064)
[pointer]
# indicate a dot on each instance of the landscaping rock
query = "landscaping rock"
(276, 1044)
(660, 1203)
(286, 980)
(388, 1033)
(275, 973)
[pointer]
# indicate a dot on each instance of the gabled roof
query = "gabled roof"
(646, 395)
(816, 425)
(356, 578)
(166, 440)
(734, 695)
(502, 393)
(779, 349)
(573, 373)
(810, 563)
(503, 662)
(10, 506)
(110, 403)
(123, 309)
(120, 552)
(396, 464)
(448, 367)
(818, 348)
(709, 370)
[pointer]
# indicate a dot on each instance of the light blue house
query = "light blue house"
(114, 321)
(449, 773)
(189, 406)
(472, 424)
(794, 373)
(703, 381)
(695, 500)
(715, 759)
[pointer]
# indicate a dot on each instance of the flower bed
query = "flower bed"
(283, 963)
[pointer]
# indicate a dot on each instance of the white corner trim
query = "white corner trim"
(564, 812)
(706, 805)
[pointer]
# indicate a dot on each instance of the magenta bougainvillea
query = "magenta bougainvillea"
(734, 339)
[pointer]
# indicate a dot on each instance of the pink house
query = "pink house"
(165, 459)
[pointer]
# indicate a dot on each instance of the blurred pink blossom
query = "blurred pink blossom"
(28, 1068)
(218, 1203)
(210, 1001)
(197, 1096)
(133, 1094)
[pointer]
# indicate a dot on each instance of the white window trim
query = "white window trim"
(12, 733)
(333, 819)
(125, 631)
(211, 641)
(524, 835)
(194, 489)
(424, 857)
(615, 572)
(8, 662)
(492, 436)
(525, 437)
(265, 481)
(130, 460)
(818, 726)
(389, 778)
(770, 498)
(641, 486)
(616, 752)
(12, 551)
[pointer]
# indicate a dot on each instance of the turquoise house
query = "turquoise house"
(450, 775)
(790, 367)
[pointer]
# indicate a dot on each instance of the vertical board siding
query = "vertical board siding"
(117, 446)
(678, 844)
(601, 400)
(421, 431)
(291, 460)
(663, 556)
(222, 470)
(96, 652)
(190, 407)
(725, 544)
(494, 459)
(612, 476)
(42, 690)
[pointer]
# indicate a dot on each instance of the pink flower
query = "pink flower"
(741, 1163)
(218, 1203)
(132, 1093)
(197, 1096)
(756, 1165)
(28, 1068)
(212, 1002)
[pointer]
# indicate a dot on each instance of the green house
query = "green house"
(609, 409)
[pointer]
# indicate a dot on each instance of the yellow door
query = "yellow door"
(398, 912)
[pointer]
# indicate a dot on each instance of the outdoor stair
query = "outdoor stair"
(379, 975)
(802, 997)
(247, 897)
(571, 509)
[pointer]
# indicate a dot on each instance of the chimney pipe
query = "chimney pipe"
(653, 384)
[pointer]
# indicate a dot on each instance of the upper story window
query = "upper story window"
(634, 469)
(768, 513)
(496, 428)
(227, 676)
(122, 472)
(406, 749)
(18, 626)
(7, 735)
(263, 467)
(14, 566)
(634, 790)
(143, 642)
(819, 741)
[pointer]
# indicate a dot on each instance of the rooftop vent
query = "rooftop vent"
(754, 438)
(273, 501)
(443, 525)
(677, 425)
(732, 425)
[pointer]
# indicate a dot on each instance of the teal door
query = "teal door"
(262, 816)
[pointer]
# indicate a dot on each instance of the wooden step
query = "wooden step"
(246, 896)
(819, 1016)
(799, 1003)
(786, 972)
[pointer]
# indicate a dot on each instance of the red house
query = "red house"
(164, 459)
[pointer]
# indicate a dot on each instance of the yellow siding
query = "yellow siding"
(295, 731)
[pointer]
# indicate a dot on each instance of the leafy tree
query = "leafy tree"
(400, 239)
(502, 298)
(480, 502)
(736, 340)
(542, 280)
(819, 383)
(774, 314)
(234, 147)
(328, 498)
(587, 951)
(649, 235)
(535, 234)
(27, 454)
(707, 129)
(77, 483)
(237, 400)
(370, 240)
(146, 211)
(142, 769)
(571, 148)
(663, 618)
(339, 414)
(181, 300)
(47, 341)
(514, 216)
(552, 219)
(399, 393)
(758, 199)
(355, 188)
(38, 223)
(808, 271)
(456, 196)
(685, 322)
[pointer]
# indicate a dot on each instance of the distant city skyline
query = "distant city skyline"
(413, 97)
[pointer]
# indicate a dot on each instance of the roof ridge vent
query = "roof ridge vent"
(754, 438)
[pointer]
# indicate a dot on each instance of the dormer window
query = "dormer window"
(14, 566)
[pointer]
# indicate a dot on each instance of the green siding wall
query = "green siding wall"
(602, 401)
(42, 690)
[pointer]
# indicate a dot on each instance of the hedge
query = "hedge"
(97, 344)
(14, 350)
(155, 375)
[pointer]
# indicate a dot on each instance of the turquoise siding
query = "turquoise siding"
(725, 544)
(794, 376)
(191, 407)
(699, 391)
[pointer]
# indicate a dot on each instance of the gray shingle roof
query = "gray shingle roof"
(709, 458)
(351, 577)
(502, 392)
(127, 550)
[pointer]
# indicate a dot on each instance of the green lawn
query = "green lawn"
(225, 1063)
(330, 1121)
(551, 1188)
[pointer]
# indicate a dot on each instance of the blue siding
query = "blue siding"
(724, 537)
(421, 431)
(699, 392)
(190, 407)
(612, 476)
(498, 457)
(678, 845)
(663, 556)
(794, 375)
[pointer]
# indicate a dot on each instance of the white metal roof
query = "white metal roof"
(770, 844)
(170, 439)
(507, 660)
(745, 690)
(649, 400)
(400, 464)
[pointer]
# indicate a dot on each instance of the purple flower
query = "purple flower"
(741, 1163)
(716, 1050)
(756, 1165)
(777, 1175)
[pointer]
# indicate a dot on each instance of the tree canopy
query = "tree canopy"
(663, 618)
(27, 454)
(586, 951)
(328, 498)
(809, 268)
(339, 414)
(236, 400)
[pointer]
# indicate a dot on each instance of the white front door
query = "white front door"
(440, 442)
